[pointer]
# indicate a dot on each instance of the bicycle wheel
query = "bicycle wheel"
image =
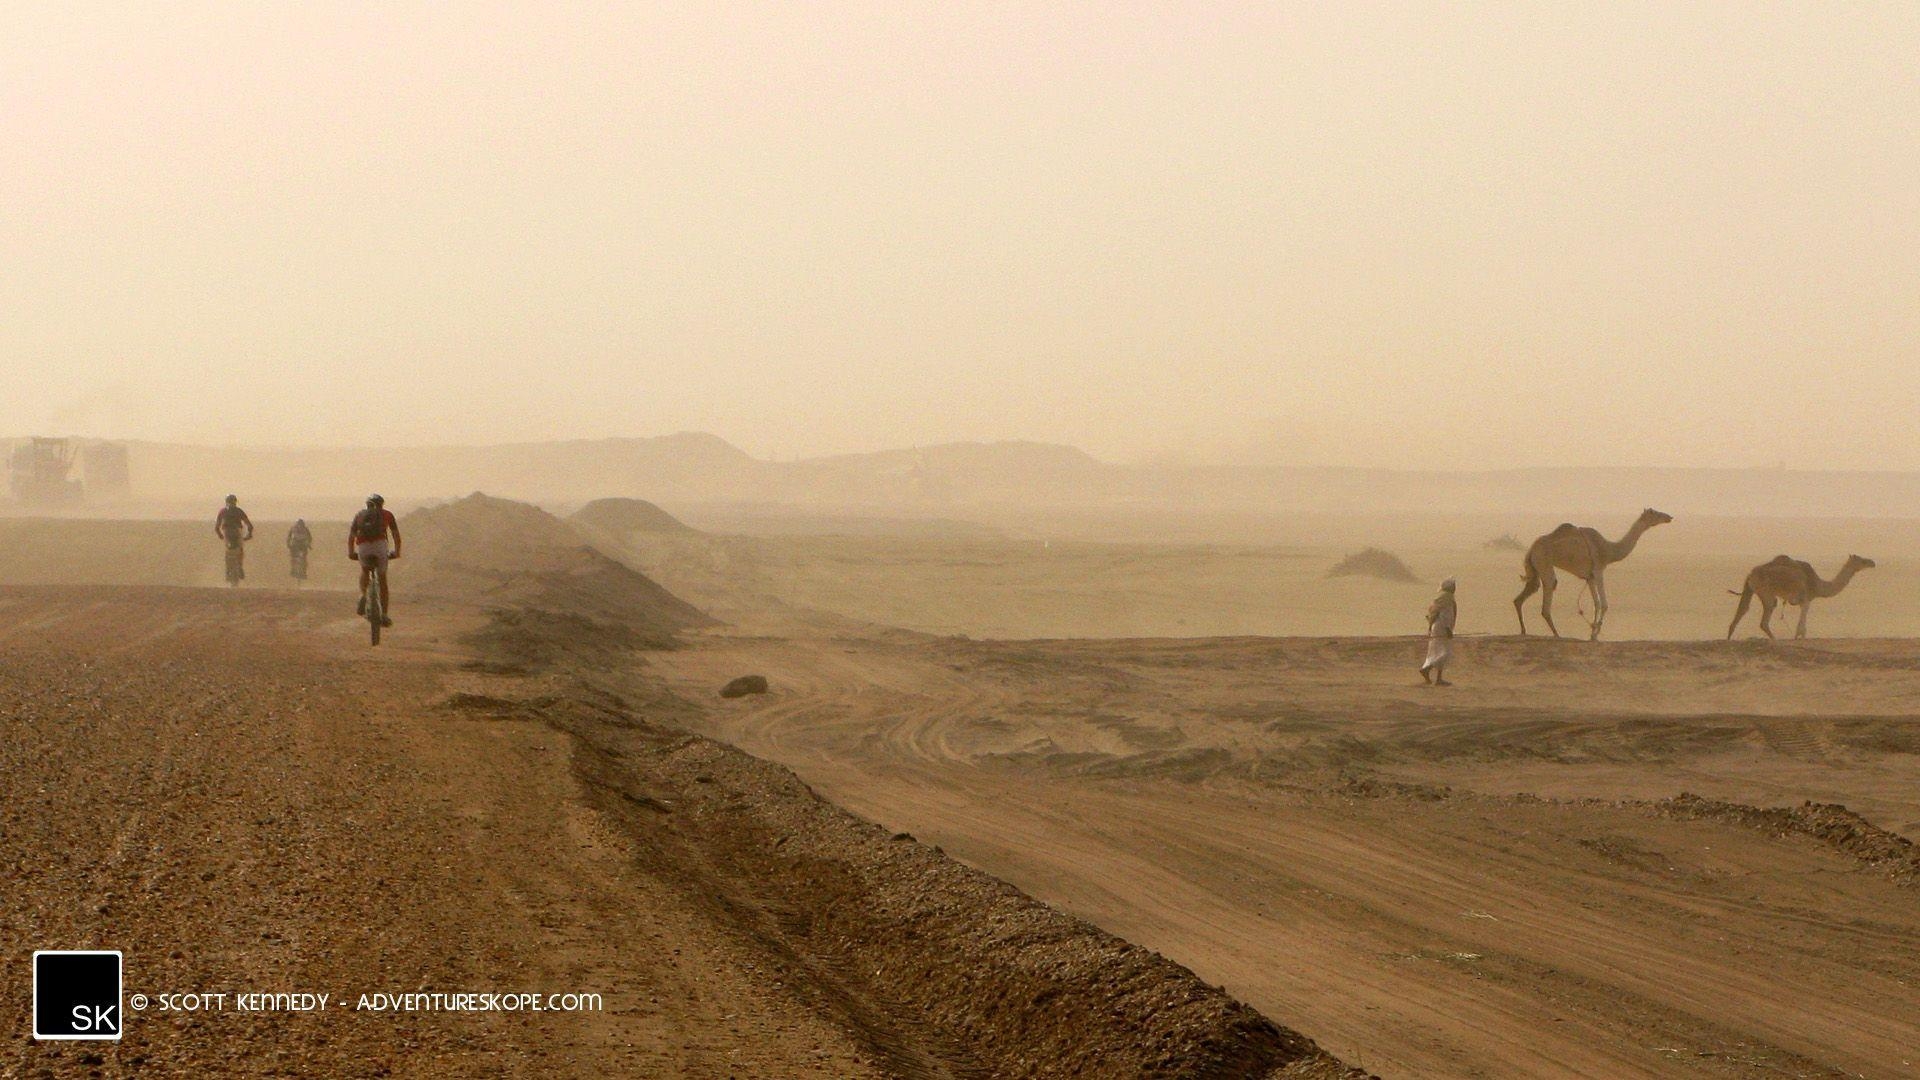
(375, 612)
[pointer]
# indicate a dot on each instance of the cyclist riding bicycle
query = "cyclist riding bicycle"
(373, 539)
(233, 525)
(231, 522)
(299, 541)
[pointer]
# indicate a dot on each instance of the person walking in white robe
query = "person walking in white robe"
(1441, 615)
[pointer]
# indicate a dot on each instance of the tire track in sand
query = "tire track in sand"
(1419, 939)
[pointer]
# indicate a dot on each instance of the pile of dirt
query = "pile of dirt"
(935, 963)
(725, 575)
(1505, 542)
(512, 557)
(744, 685)
(938, 968)
(625, 516)
(1830, 823)
(1375, 563)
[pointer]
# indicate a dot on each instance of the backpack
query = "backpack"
(369, 525)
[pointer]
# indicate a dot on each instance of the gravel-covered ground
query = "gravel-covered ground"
(235, 791)
(240, 795)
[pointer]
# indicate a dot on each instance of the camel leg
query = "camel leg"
(1801, 630)
(1580, 602)
(1532, 586)
(1746, 601)
(1599, 586)
(1766, 616)
(1547, 585)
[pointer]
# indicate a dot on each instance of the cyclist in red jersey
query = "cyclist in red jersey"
(372, 540)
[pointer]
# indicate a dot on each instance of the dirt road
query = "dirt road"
(236, 792)
(239, 795)
(1302, 822)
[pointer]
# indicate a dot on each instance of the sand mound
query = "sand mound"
(1891, 853)
(509, 555)
(744, 685)
(724, 574)
(976, 975)
(1505, 542)
(624, 516)
(1373, 562)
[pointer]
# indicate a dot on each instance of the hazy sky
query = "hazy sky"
(1444, 235)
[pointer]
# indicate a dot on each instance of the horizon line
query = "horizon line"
(1145, 462)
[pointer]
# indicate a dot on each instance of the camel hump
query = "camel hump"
(1564, 528)
(1782, 560)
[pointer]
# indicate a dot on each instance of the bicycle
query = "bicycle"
(373, 604)
(236, 563)
(376, 611)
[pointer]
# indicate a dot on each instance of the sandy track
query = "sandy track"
(237, 793)
(1198, 797)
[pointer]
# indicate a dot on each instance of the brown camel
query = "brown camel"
(1585, 554)
(1790, 581)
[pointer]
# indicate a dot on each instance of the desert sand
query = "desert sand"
(1553, 869)
(963, 487)
(1492, 881)
(1056, 807)
(232, 788)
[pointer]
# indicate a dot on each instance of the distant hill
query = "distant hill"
(622, 516)
(802, 521)
(681, 465)
(973, 479)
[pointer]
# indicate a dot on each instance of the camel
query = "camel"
(1790, 581)
(1585, 554)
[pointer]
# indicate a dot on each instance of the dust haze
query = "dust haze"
(1644, 235)
(917, 527)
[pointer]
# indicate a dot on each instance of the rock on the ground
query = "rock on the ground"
(744, 685)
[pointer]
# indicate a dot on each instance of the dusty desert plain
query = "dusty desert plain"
(1033, 799)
